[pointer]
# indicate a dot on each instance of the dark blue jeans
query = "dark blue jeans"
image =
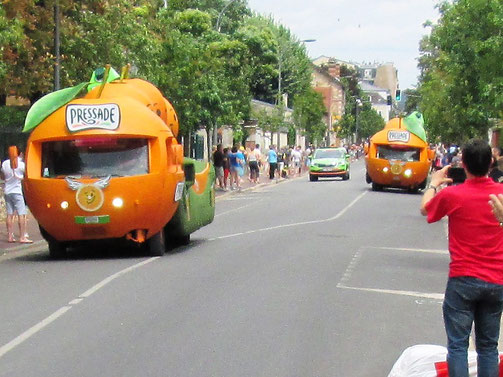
(470, 300)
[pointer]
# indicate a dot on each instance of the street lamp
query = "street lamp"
(358, 104)
(280, 67)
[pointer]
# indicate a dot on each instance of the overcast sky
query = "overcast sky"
(358, 30)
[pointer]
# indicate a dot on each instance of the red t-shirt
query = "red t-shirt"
(475, 237)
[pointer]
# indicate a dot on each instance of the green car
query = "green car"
(329, 162)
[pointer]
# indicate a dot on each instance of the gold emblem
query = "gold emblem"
(89, 197)
(396, 169)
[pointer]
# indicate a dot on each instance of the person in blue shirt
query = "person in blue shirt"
(272, 158)
(236, 160)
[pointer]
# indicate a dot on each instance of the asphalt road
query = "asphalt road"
(300, 279)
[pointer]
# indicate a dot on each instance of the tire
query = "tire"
(376, 187)
(345, 177)
(367, 178)
(313, 178)
(156, 244)
(57, 250)
(183, 240)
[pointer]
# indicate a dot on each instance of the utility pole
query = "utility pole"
(57, 62)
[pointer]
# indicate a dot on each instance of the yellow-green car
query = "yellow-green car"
(329, 162)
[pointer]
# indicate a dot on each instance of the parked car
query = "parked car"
(328, 163)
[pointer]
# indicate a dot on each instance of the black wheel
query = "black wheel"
(345, 177)
(156, 244)
(367, 178)
(376, 187)
(313, 178)
(57, 249)
(183, 240)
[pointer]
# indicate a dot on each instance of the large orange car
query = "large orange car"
(108, 166)
(399, 156)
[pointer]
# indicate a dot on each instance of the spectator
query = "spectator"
(254, 158)
(272, 158)
(218, 162)
(227, 167)
(474, 292)
(495, 173)
(235, 165)
(296, 158)
(12, 172)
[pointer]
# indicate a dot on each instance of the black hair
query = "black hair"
(477, 157)
(234, 149)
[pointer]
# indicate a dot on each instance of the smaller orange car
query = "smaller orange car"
(399, 156)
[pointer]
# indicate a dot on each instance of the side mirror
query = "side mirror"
(190, 173)
(348, 155)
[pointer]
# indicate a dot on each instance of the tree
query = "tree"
(462, 76)
(308, 112)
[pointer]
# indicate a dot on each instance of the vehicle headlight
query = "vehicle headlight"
(64, 204)
(385, 169)
(118, 202)
(407, 173)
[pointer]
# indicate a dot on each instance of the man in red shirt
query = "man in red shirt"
(474, 292)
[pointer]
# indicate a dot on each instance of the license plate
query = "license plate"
(104, 219)
(328, 169)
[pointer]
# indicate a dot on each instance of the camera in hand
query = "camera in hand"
(457, 175)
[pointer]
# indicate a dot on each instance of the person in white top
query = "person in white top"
(254, 161)
(296, 158)
(14, 200)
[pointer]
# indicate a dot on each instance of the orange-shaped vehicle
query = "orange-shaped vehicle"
(107, 166)
(399, 156)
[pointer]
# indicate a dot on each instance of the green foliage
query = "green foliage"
(462, 75)
(12, 118)
(209, 76)
(369, 122)
(308, 113)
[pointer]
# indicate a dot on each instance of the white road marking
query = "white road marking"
(433, 296)
(33, 330)
(432, 251)
(104, 282)
(339, 214)
(235, 209)
(58, 313)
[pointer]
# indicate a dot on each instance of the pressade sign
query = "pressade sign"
(403, 136)
(83, 117)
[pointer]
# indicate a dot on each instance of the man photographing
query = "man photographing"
(474, 292)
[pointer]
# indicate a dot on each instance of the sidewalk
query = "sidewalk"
(39, 242)
(33, 231)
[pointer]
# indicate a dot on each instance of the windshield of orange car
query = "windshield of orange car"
(397, 153)
(95, 157)
(329, 153)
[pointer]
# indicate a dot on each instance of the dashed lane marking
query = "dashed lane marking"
(339, 214)
(58, 313)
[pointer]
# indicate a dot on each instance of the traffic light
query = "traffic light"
(397, 95)
(389, 100)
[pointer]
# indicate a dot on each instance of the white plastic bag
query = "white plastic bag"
(426, 360)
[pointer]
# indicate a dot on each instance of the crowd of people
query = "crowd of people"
(452, 155)
(233, 164)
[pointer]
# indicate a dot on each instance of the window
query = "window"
(329, 153)
(388, 152)
(95, 157)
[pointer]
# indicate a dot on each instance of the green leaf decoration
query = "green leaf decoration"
(49, 103)
(415, 124)
(97, 77)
